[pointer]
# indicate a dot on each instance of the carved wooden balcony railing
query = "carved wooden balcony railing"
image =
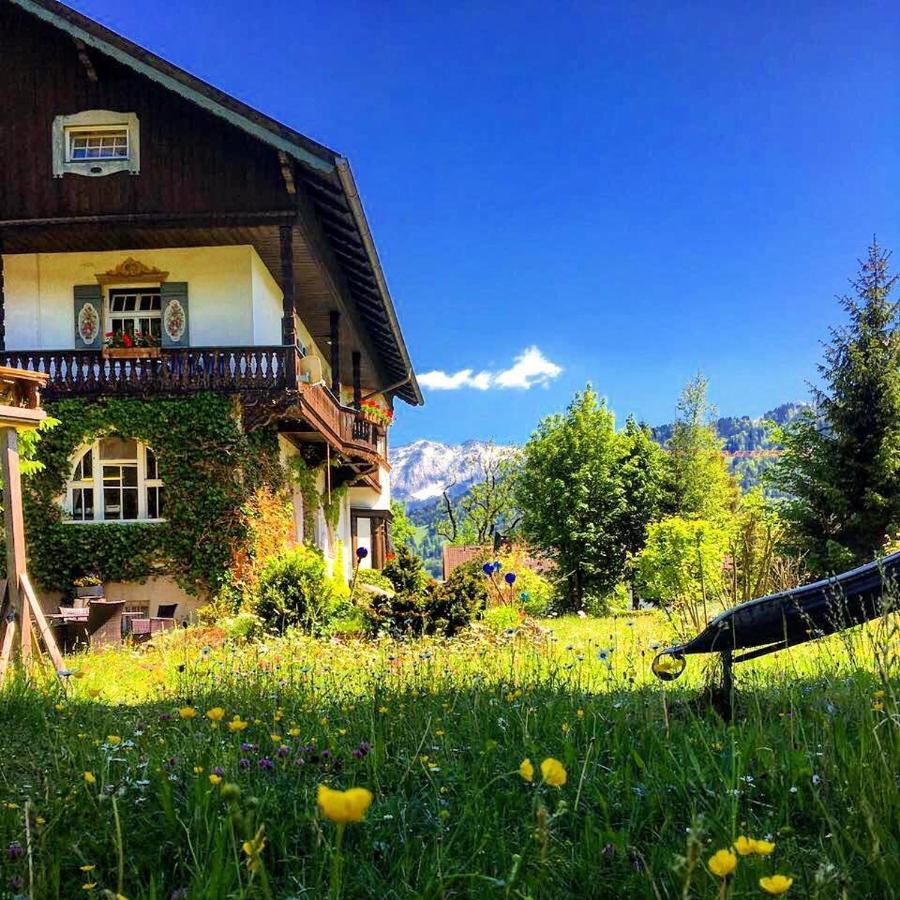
(225, 369)
(80, 372)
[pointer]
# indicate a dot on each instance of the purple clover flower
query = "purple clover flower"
(15, 850)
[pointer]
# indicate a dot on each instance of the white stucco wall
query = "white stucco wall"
(232, 298)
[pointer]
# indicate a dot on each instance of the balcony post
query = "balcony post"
(335, 321)
(288, 334)
(2, 302)
(357, 379)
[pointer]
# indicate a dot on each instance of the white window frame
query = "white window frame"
(96, 482)
(95, 120)
(112, 290)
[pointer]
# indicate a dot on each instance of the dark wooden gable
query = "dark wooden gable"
(191, 160)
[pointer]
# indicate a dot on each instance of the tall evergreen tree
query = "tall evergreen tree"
(841, 464)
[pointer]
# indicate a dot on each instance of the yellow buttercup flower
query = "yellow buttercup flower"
(276, 738)
(113, 739)
(878, 695)
(90, 778)
(89, 868)
(187, 712)
(89, 886)
(237, 724)
(216, 714)
(722, 863)
(294, 732)
(553, 772)
(198, 770)
(526, 769)
(878, 707)
(776, 884)
(745, 846)
(763, 848)
(344, 806)
(215, 779)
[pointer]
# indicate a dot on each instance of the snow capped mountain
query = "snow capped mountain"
(423, 469)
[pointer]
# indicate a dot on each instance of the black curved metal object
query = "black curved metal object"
(791, 617)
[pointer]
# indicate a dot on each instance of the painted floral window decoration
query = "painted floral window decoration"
(88, 323)
(174, 321)
(375, 412)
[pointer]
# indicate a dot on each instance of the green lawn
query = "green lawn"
(437, 730)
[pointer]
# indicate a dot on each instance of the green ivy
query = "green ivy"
(210, 468)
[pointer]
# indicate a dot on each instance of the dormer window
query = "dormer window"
(96, 142)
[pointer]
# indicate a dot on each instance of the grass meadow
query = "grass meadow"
(189, 768)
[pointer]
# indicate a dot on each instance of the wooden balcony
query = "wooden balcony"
(238, 370)
(172, 371)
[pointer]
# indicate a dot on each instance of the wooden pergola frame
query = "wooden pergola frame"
(19, 409)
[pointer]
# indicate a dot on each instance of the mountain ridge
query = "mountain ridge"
(423, 469)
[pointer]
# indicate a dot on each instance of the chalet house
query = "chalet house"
(167, 251)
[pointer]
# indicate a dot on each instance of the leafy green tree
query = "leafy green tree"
(572, 498)
(642, 469)
(489, 506)
(841, 464)
(681, 566)
(403, 532)
(700, 485)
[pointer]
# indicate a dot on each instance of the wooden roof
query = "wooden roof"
(325, 182)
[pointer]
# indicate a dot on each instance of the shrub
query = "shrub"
(294, 589)
(502, 618)
(462, 597)
(375, 578)
(404, 614)
(406, 572)
(244, 626)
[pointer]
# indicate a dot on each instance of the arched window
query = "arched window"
(115, 480)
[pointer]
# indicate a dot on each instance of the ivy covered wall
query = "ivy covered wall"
(213, 473)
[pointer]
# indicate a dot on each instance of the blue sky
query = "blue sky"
(638, 191)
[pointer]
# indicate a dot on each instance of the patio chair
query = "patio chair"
(101, 626)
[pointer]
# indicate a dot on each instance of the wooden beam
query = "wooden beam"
(12, 515)
(288, 333)
(2, 301)
(43, 626)
(287, 172)
(86, 60)
(357, 379)
(334, 319)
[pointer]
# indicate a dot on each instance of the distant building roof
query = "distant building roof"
(455, 555)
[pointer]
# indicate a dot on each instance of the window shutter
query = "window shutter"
(88, 316)
(174, 303)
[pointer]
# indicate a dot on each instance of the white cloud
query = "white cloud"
(529, 368)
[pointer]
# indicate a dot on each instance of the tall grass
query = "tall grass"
(657, 781)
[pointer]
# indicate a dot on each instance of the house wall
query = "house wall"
(150, 593)
(232, 297)
(191, 160)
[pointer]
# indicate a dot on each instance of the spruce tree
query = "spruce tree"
(841, 463)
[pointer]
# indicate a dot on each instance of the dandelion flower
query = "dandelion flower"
(763, 848)
(776, 884)
(344, 806)
(553, 772)
(722, 863)
(216, 714)
(526, 769)
(90, 778)
(745, 846)
(187, 712)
